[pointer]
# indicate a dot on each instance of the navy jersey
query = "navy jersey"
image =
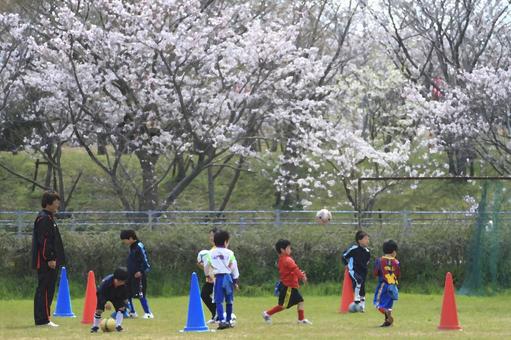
(357, 258)
(137, 259)
(46, 241)
(108, 292)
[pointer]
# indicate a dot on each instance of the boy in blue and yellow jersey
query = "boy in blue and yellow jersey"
(357, 258)
(138, 267)
(223, 267)
(386, 268)
(290, 275)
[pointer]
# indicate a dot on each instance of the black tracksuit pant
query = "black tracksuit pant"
(47, 278)
(207, 291)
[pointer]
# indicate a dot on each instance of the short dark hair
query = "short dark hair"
(389, 246)
(127, 234)
(48, 198)
(221, 237)
(121, 274)
(360, 235)
(282, 244)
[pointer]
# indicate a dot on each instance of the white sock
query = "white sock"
(97, 320)
(118, 318)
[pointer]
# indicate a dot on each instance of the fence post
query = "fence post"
(150, 217)
(278, 221)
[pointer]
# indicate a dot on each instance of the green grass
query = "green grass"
(415, 316)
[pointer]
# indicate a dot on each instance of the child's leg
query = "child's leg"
(219, 297)
(301, 311)
(357, 285)
(363, 295)
(131, 306)
(97, 318)
(119, 317)
(228, 312)
(276, 309)
(142, 288)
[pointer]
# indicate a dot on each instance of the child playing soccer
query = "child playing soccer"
(138, 267)
(223, 268)
(290, 274)
(207, 288)
(386, 268)
(112, 288)
(357, 258)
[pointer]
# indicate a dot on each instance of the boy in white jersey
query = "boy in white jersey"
(223, 267)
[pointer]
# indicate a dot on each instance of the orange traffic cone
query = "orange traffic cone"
(89, 306)
(347, 296)
(449, 318)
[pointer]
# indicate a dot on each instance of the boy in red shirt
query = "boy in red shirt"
(288, 288)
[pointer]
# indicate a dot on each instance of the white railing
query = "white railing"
(21, 222)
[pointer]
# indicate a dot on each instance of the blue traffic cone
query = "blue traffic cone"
(196, 321)
(63, 298)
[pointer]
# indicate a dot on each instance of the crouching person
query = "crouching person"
(113, 288)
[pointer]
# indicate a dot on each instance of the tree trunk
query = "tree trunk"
(148, 198)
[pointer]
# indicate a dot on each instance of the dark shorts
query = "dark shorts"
(118, 304)
(138, 286)
(288, 297)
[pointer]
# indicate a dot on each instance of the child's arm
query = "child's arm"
(233, 265)
(376, 269)
(293, 268)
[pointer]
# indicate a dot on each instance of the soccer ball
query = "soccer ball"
(323, 216)
(201, 257)
(355, 307)
(107, 325)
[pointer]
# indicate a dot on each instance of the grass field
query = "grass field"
(415, 315)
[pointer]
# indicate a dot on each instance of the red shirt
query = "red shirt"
(289, 271)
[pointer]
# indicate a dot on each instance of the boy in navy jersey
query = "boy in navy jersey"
(138, 267)
(357, 258)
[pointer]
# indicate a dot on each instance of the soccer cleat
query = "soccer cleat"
(94, 329)
(224, 325)
(385, 324)
(133, 315)
(267, 318)
(148, 316)
(51, 324)
(211, 321)
(304, 322)
(119, 328)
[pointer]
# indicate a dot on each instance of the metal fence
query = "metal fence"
(21, 222)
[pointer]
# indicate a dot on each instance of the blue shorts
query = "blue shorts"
(385, 295)
(224, 288)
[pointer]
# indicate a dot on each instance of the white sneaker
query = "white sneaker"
(133, 315)
(267, 318)
(211, 321)
(50, 324)
(148, 316)
(304, 322)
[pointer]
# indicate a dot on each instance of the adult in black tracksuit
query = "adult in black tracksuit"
(47, 257)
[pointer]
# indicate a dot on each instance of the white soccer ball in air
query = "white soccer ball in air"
(323, 216)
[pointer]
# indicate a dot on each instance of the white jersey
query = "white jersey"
(222, 261)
